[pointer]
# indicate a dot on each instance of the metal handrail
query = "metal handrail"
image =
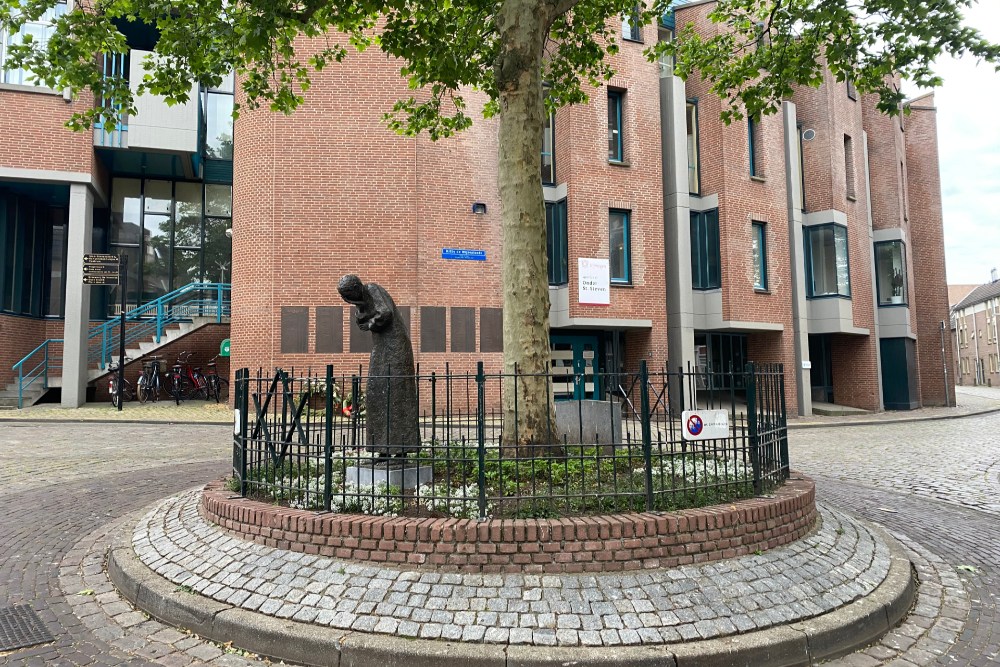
(148, 320)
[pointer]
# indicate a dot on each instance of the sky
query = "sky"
(969, 151)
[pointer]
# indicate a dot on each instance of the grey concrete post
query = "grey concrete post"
(796, 256)
(77, 322)
(871, 253)
(676, 225)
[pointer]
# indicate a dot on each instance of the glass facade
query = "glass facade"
(173, 232)
(218, 130)
(557, 245)
(890, 272)
(828, 270)
(40, 30)
(32, 257)
(706, 271)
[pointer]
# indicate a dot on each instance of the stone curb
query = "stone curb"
(881, 422)
(830, 635)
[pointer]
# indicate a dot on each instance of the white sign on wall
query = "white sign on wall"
(705, 424)
(595, 281)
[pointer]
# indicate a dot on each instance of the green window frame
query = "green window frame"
(759, 243)
(557, 243)
(616, 143)
(828, 265)
(619, 246)
(753, 145)
(706, 269)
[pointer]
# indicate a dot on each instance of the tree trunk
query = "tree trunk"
(528, 408)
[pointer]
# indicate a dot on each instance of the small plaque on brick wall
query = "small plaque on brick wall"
(361, 341)
(294, 329)
(463, 329)
(491, 329)
(329, 329)
(432, 325)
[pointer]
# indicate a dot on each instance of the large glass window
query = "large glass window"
(40, 31)
(754, 141)
(557, 245)
(549, 149)
(619, 252)
(890, 272)
(706, 270)
(827, 266)
(219, 121)
(759, 242)
(632, 24)
(616, 146)
(694, 169)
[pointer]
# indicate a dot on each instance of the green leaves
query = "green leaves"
(763, 49)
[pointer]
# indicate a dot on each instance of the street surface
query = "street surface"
(935, 484)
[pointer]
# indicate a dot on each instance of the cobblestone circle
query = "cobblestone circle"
(838, 563)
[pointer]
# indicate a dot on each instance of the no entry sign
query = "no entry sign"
(704, 424)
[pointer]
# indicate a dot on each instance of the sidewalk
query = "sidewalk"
(971, 401)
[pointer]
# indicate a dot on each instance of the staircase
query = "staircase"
(148, 328)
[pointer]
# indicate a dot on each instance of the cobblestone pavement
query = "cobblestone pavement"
(840, 562)
(62, 485)
(971, 401)
(165, 411)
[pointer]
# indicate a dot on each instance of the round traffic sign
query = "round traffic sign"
(694, 425)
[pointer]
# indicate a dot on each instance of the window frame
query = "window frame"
(550, 129)
(617, 99)
(759, 245)
(557, 244)
(878, 275)
(46, 20)
(850, 175)
(810, 273)
(753, 146)
(626, 216)
(631, 21)
(706, 244)
(692, 128)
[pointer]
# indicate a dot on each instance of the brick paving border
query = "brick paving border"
(619, 542)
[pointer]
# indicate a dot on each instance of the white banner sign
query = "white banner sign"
(595, 281)
(705, 424)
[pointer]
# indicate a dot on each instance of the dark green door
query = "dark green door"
(822, 368)
(574, 367)
(899, 373)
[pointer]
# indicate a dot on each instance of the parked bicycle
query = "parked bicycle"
(118, 385)
(187, 382)
(147, 388)
(218, 387)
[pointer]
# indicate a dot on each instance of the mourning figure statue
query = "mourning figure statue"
(391, 391)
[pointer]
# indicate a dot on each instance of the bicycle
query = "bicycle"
(113, 384)
(218, 387)
(187, 382)
(148, 386)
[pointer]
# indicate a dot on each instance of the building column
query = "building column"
(77, 323)
(676, 226)
(796, 257)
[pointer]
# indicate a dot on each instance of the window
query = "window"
(852, 92)
(632, 24)
(753, 138)
(549, 149)
(616, 147)
(890, 272)
(618, 247)
(705, 264)
(849, 165)
(827, 268)
(802, 167)
(694, 168)
(759, 243)
(557, 246)
(40, 31)
(219, 120)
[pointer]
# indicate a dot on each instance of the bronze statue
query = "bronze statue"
(391, 390)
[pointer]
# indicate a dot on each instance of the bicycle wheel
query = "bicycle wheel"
(177, 388)
(115, 392)
(222, 390)
(142, 389)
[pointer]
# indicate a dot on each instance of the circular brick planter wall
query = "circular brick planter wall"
(579, 544)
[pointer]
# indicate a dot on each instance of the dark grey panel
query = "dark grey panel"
(432, 329)
(329, 329)
(463, 329)
(294, 329)
(491, 329)
(361, 341)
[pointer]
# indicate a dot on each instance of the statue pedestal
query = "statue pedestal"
(402, 474)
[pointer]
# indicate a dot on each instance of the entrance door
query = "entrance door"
(822, 368)
(574, 369)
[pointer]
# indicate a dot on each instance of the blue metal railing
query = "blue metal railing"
(148, 321)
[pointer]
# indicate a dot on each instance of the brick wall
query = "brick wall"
(576, 544)
(38, 118)
(18, 337)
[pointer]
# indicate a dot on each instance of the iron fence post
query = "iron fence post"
(783, 423)
(647, 439)
(752, 427)
(481, 436)
(328, 440)
(243, 400)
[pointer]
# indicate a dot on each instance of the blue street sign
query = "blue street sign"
(459, 253)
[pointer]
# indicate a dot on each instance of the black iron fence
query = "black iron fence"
(655, 441)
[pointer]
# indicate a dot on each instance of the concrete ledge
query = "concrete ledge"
(839, 632)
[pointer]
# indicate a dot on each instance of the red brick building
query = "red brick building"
(977, 346)
(796, 238)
